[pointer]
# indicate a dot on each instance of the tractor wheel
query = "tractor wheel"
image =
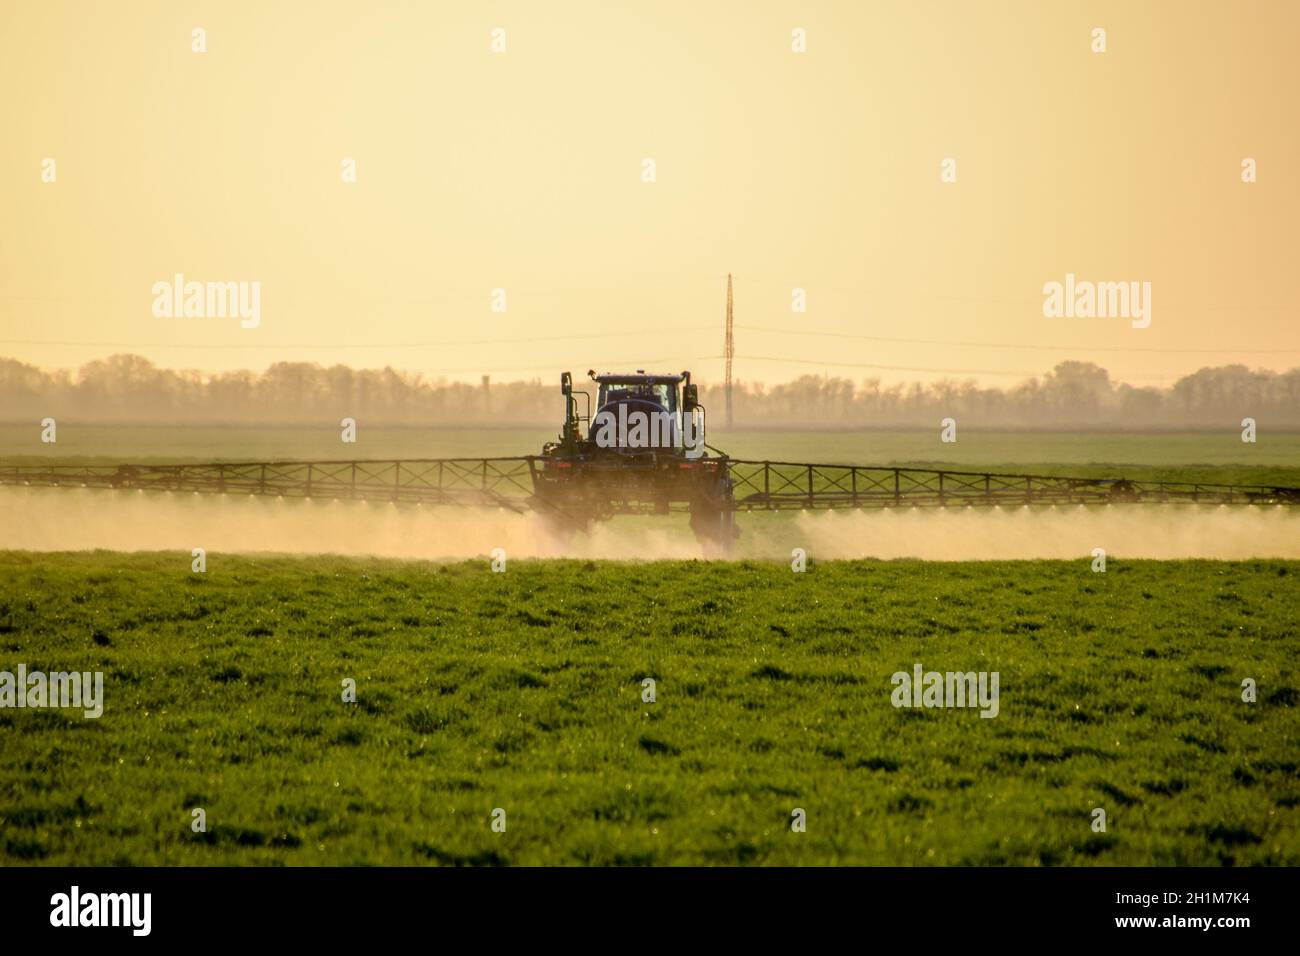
(714, 522)
(562, 523)
(715, 530)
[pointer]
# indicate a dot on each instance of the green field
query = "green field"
(522, 691)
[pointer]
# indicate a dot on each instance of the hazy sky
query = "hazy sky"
(523, 170)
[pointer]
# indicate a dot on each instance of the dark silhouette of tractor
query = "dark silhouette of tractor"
(642, 452)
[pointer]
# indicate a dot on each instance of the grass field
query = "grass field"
(522, 691)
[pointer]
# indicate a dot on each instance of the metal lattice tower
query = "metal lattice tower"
(729, 349)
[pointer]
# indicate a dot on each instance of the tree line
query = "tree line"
(129, 389)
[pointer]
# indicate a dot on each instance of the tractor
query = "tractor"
(642, 451)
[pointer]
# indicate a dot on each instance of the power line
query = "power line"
(729, 349)
(1013, 345)
(551, 366)
(358, 345)
(888, 368)
(905, 368)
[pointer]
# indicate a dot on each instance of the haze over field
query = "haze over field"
(72, 520)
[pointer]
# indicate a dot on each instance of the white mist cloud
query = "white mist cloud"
(73, 520)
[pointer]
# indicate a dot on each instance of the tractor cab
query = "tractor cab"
(634, 413)
(639, 413)
(651, 392)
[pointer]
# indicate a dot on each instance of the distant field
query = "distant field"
(522, 691)
(1191, 456)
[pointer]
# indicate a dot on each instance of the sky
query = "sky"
(523, 169)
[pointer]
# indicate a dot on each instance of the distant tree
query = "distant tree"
(129, 388)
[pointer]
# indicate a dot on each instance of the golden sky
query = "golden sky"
(523, 170)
